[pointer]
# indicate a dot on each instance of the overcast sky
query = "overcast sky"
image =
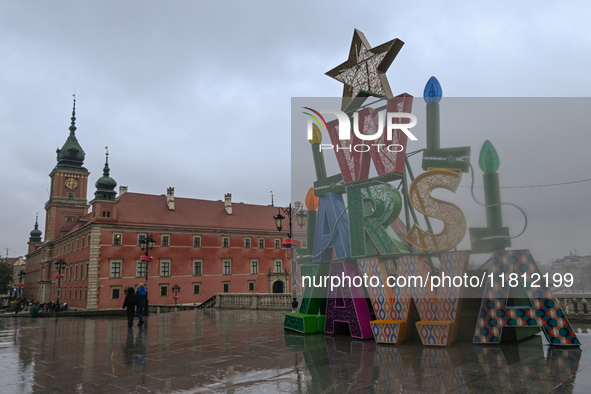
(196, 95)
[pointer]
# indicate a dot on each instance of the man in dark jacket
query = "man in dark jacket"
(130, 303)
(142, 296)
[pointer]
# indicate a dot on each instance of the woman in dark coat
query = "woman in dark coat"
(130, 302)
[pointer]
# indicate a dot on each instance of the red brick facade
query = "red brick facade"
(204, 246)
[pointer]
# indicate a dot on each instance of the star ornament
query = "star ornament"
(364, 73)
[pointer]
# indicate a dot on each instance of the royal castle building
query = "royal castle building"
(205, 247)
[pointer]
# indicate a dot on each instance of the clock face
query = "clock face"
(71, 183)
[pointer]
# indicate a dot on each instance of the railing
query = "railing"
(209, 303)
(268, 301)
(574, 303)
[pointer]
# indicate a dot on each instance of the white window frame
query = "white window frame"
(224, 261)
(120, 239)
(162, 286)
(139, 272)
(256, 271)
(112, 264)
(116, 288)
(197, 237)
(200, 262)
(165, 263)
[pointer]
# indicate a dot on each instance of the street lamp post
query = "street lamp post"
(301, 216)
(20, 284)
(60, 265)
(147, 244)
(177, 289)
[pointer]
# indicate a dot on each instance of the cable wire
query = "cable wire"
(494, 205)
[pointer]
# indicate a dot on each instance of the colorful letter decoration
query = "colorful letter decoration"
(437, 310)
(354, 164)
(350, 306)
(332, 229)
(388, 154)
(314, 298)
(372, 207)
(391, 305)
(454, 222)
(311, 314)
(545, 311)
(390, 160)
(439, 316)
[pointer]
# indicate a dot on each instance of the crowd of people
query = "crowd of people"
(24, 305)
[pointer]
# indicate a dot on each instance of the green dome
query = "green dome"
(71, 154)
(105, 186)
(35, 235)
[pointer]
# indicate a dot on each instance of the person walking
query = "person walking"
(142, 298)
(130, 302)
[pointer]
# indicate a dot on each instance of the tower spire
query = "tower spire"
(105, 186)
(71, 155)
(35, 235)
(73, 118)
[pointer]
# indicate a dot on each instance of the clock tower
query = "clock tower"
(67, 197)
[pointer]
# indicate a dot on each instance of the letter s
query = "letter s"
(454, 221)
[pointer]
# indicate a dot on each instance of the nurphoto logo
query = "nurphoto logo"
(366, 132)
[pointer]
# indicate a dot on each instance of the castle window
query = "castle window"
(225, 242)
(115, 292)
(69, 218)
(117, 239)
(140, 268)
(70, 195)
(197, 267)
(247, 242)
(163, 290)
(116, 269)
(140, 237)
(196, 241)
(165, 268)
(226, 264)
(165, 240)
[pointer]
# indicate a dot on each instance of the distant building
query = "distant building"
(579, 267)
(16, 264)
(204, 246)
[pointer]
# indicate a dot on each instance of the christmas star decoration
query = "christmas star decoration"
(364, 72)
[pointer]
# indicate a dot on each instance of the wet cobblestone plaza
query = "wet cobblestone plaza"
(244, 351)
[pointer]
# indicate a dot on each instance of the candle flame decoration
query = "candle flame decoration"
(316, 135)
(433, 91)
(488, 159)
(311, 200)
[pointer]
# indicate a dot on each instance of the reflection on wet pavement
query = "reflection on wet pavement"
(249, 352)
